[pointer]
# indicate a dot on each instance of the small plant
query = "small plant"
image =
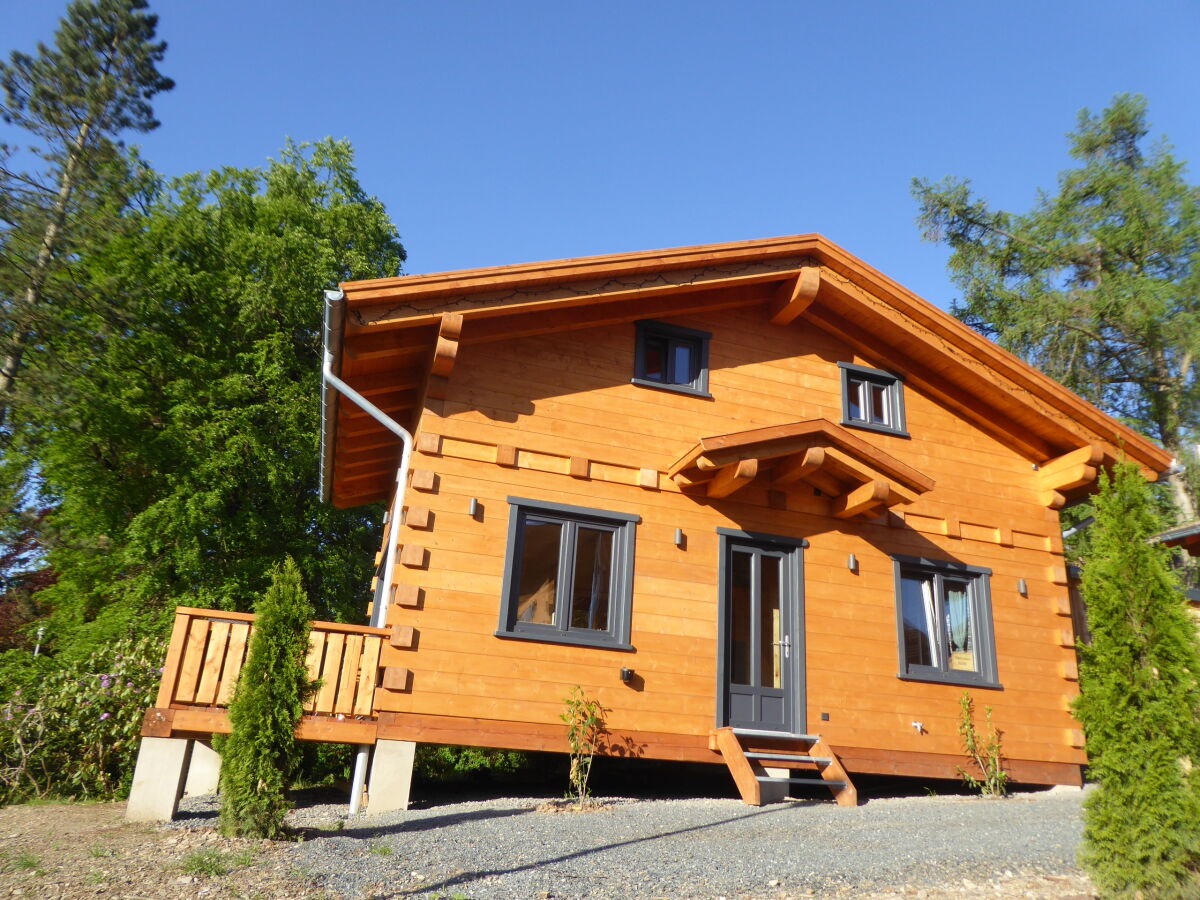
(585, 727)
(205, 862)
(988, 758)
(99, 852)
(215, 863)
(381, 849)
(27, 862)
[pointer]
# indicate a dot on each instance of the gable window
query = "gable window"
(944, 618)
(872, 399)
(568, 575)
(671, 358)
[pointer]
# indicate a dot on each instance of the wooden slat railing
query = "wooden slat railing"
(208, 648)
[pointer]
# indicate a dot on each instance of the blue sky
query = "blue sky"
(510, 132)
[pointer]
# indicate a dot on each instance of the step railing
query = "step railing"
(208, 649)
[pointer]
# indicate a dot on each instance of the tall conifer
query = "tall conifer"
(261, 754)
(74, 99)
(1099, 284)
(1140, 706)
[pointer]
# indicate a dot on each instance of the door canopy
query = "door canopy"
(859, 479)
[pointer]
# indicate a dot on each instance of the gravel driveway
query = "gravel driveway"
(508, 848)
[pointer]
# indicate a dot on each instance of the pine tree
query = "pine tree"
(75, 99)
(261, 754)
(1099, 284)
(1140, 706)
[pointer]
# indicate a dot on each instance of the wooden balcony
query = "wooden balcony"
(208, 649)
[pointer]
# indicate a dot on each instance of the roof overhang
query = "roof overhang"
(1186, 537)
(401, 335)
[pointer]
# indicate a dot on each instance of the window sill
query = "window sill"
(963, 680)
(878, 429)
(566, 639)
(673, 388)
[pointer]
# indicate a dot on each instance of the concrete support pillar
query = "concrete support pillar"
(203, 772)
(775, 791)
(391, 776)
(158, 779)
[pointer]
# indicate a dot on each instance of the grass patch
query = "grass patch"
(99, 852)
(26, 862)
(381, 849)
(215, 863)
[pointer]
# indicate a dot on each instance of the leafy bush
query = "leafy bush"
(74, 733)
(261, 754)
(437, 762)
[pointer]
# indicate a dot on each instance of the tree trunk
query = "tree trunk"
(40, 272)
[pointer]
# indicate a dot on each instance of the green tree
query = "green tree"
(261, 753)
(74, 99)
(1099, 284)
(180, 455)
(1140, 705)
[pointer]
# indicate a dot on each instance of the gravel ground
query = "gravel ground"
(499, 849)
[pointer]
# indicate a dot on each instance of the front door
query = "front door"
(761, 633)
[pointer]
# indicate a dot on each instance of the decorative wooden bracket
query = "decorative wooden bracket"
(445, 352)
(733, 478)
(861, 500)
(1058, 476)
(795, 296)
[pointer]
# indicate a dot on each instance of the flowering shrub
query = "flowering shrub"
(75, 734)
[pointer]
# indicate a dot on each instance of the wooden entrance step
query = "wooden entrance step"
(748, 753)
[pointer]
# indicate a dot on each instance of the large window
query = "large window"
(672, 358)
(944, 617)
(872, 399)
(568, 575)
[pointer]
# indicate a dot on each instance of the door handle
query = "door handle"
(786, 644)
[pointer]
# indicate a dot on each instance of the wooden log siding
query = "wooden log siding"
(208, 648)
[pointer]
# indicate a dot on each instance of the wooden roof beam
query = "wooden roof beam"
(1071, 470)
(861, 500)
(798, 467)
(733, 478)
(795, 296)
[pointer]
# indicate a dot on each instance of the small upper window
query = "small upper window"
(944, 617)
(672, 358)
(569, 575)
(872, 399)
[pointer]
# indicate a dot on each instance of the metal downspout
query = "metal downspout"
(335, 311)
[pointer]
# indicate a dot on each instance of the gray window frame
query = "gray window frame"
(620, 602)
(893, 391)
(672, 334)
(979, 592)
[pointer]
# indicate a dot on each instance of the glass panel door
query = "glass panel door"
(760, 606)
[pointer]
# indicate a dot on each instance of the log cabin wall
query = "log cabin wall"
(555, 418)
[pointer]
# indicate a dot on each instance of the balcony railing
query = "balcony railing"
(208, 648)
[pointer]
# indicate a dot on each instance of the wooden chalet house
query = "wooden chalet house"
(767, 506)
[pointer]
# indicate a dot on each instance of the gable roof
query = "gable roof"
(395, 340)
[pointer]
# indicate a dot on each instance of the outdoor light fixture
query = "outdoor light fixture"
(852, 563)
(1022, 587)
(626, 676)
(678, 537)
(473, 509)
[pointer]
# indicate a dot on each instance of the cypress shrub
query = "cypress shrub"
(1139, 706)
(261, 753)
